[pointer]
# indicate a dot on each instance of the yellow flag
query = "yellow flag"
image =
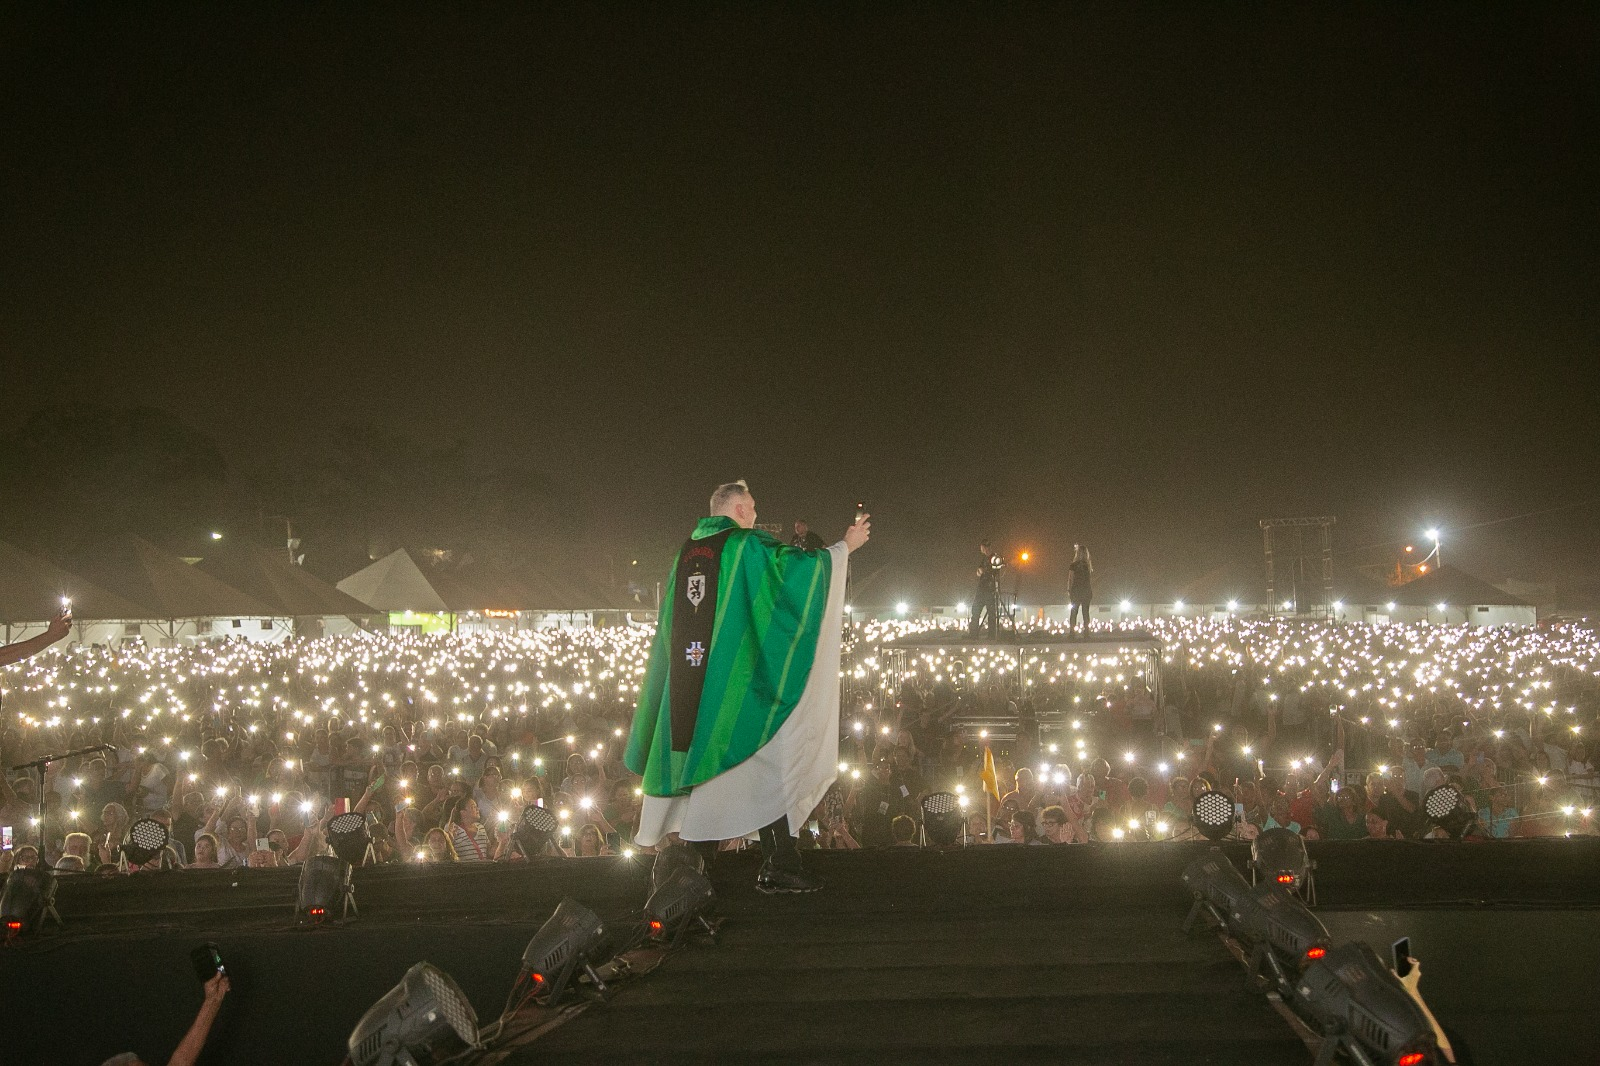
(990, 784)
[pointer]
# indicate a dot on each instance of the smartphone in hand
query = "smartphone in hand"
(1401, 949)
(207, 962)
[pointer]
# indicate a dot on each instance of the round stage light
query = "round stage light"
(1213, 814)
(1445, 808)
(942, 817)
(1441, 802)
(347, 836)
(425, 1019)
(569, 941)
(147, 839)
(534, 830)
(1279, 855)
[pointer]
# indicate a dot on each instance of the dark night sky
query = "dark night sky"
(1137, 274)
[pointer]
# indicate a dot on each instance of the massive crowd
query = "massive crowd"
(1337, 731)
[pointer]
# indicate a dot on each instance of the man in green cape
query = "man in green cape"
(737, 726)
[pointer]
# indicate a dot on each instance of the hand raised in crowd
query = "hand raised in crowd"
(217, 988)
(859, 533)
(60, 625)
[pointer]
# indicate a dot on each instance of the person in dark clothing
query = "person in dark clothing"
(1079, 592)
(805, 538)
(986, 600)
(876, 804)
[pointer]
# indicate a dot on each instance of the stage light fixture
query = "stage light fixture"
(1361, 1007)
(425, 1019)
(1444, 808)
(1279, 856)
(1213, 815)
(677, 903)
(570, 940)
(1284, 937)
(324, 885)
(942, 818)
(347, 836)
(1216, 886)
(29, 898)
(147, 841)
(534, 830)
(672, 858)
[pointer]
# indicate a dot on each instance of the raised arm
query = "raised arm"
(194, 1041)
(59, 627)
(310, 843)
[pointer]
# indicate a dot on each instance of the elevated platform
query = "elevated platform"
(1044, 954)
(1094, 641)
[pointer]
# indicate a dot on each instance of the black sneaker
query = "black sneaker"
(670, 858)
(772, 881)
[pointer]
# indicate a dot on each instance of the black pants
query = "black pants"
(777, 846)
(985, 607)
(1078, 612)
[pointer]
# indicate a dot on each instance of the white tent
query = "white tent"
(395, 583)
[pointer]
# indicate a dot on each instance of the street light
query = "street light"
(1433, 535)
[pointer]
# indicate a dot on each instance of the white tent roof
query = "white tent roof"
(393, 583)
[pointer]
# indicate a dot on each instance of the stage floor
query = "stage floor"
(1093, 642)
(1068, 955)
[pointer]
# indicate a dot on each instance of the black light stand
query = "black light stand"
(38, 765)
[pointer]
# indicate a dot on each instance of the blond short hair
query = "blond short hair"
(726, 494)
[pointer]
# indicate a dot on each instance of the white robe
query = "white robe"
(789, 774)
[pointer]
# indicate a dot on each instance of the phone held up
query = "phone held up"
(1402, 956)
(207, 962)
(861, 510)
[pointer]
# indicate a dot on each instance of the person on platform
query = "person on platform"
(1080, 573)
(986, 598)
(737, 725)
(805, 538)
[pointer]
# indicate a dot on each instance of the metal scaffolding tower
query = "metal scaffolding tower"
(1324, 528)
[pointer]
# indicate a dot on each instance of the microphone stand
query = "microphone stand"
(38, 765)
